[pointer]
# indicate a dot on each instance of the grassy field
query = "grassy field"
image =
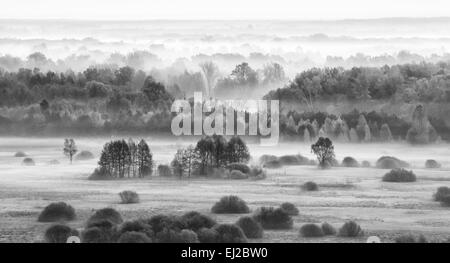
(383, 209)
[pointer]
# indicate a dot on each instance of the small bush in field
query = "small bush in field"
(328, 229)
(106, 214)
(242, 167)
(290, 208)
(134, 237)
(250, 227)
(310, 186)
(273, 218)
(432, 164)
(129, 197)
(57, 212)
(161, 222)
(257, 173)
(238, 175)
(311, 230)
(59, 234)
(350, 229)
(399, 176)
(84, 155)
(441, 193)
(164, 171)
(229, 233)
(28, 162)
(230, 205)
(136, 226)
(195, 221)
(207, 235)
(389, 162)
(20, 154)
(365, 164)
(98, 235)
(173, 236)
(411, 239)
(350, 162)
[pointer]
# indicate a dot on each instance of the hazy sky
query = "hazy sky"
(221, 9)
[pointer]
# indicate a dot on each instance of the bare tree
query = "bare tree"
(70, 148)
(211, 73)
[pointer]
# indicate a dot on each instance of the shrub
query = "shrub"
(410, 239)
(350, 162)
(134, 237)
(365, 164)
(293, 160)
(238, 175)
(105, 214)
(230, 205)
(161, 222)
(350, 229)
(59, 234)
(98, 235)
(172, 236)
(242, 167)
(311, 230)
(432, 164)
(273, 218)
(274, 164)
(267, 158)
(208, 235)
(399, 175)
(441, 193)
(228, 233)
(257, 173)
(328, 229)
(136, 226)
(84, 155)
(195, 221)
(129, 197)
(20, 154)
(389, 162)
(57, 212)
(28, 162)
(164, 171)
(310, 186)
(250, 227)
(445, 200)
(289, 208)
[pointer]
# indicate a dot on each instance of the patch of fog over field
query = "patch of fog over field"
(180, 45)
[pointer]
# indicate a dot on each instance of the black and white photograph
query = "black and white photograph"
(224, 121)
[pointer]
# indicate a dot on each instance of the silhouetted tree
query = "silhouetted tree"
(324, 150)
(70, 148)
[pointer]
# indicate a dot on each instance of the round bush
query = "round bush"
(242, 167)
(432, 164)
(365, 164)
(273, 218)
(230, 205)
(129, 197)
(136, 226)
(311, 230)
(350, 229)
(195, 221)
(59, 234)
(106, 214)
(250, 227)
(274, 164)
(389, 162)
(20, 154)
(310, 186)
(208, 235)
(350, 162)
(228, 233)
(164, 171)
(238, 175)
(134, 237)
(441, 193)
(172, 236)
(289, 208)
(28, 162)
(57, 212)
(84, 155)
(328, 229)
(399, 176)
(98, 235)
(161, 222)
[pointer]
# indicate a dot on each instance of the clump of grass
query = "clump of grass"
(129, 197)
(350, 229)
(328, 229)
(432, 164)
(207, 235)
(134, 237)
(57, 212)
(311, 230)
(195, 221)
(59, 233)
(290, 208)
(230, 205)
(28, 162)
(310, 186)
(389, 162)
(441, 193)
(399, 176)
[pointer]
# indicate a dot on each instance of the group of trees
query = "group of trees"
(209, 153)
(120, 159)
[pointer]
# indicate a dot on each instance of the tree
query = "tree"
(189, 159)
(273, 73)
(237, 151)
(144, 159)
(243, 74)
(211, 73)
(324, 150)
(70, 148)
(155, 91)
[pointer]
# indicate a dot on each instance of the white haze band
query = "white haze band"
(225, 111)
